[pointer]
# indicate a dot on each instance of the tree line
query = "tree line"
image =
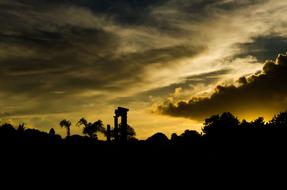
(222, 129)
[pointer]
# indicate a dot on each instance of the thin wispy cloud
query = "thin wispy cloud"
(90, 56)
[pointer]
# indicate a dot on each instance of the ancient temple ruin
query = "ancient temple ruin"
(121, 132)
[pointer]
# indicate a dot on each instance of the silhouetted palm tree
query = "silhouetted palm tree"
(91, 129)
(83, 122)
(66, 124)
(21, 128)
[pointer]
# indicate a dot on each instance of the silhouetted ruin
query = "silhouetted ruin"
(219, 132)
(121, 112)
(224, 141)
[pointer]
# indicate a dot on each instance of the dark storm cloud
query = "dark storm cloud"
(264, 48)
(259, 92)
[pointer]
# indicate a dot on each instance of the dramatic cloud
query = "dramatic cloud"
(261, 93)
(264, 48)
(74, 58)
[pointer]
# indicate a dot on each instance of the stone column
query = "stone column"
(124, 122)
(116, 128)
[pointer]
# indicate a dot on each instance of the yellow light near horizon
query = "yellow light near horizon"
(254, 115)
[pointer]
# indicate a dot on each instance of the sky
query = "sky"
(173, 63)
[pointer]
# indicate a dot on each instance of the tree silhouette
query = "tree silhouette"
(258, 123)
(130, 131)
(91, 129)
(190, 136)
(220, 123)
(66, 124)
(83, 122)
(52, 132)
(158, 138)
(7, 133)
(21, 128)
(174, 137)
(279, 120)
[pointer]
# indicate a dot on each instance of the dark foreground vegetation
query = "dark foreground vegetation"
(225, 144)
(221, 134)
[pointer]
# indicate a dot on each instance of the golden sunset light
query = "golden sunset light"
(119, 94)
(74, 59)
